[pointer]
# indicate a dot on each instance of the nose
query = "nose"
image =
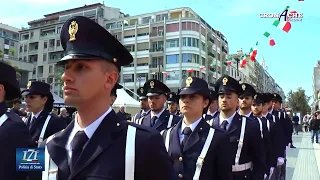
(67, 76)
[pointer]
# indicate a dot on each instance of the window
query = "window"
(142, 77)
(11, 43)
(45, 45)
(128, 77)
(172, 59)
(184, 74)
(173, 75)
(58, 43)
(172, 27)
(173, 43)
(145, 20)
(130, 48)
(203, 61)
(44, 57)
(188, 58)
(191, 42)
(6, 41)
(50, 69)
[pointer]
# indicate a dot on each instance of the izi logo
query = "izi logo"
(30, 155)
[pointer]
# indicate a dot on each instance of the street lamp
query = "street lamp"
(237, 58)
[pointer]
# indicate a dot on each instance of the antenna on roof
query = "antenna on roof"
(103, 2)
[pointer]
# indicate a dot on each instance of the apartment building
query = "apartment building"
(9, 42)
(40, 43)
(316, 85)
(169, 45)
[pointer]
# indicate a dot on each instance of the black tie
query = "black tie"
(31, 121)
(224, 124)
(143, 114)
(77, 144)
(186, 132)
(153, 120)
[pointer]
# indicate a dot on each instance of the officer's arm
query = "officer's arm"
(223, 165)
(258, 152)
(158, 164)
(281, 139)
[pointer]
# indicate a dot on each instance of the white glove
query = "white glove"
(280, 161)
(265, 176)
(271, 171)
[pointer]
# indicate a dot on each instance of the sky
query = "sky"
(290, 62)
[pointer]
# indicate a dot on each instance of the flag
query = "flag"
(284, 25)
(271, 40)
(202, 68)
(254, 52)
(229, 63)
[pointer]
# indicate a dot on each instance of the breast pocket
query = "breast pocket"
(97, 177)
(234, 139)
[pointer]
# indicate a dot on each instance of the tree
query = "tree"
(12, 52)
(298, 101)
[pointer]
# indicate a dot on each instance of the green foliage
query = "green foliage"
(12, 52)
(298, 101)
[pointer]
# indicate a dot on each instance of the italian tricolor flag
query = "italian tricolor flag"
(271, 40)
(202, 68)
(254, 52)
(243, 61)
(284, 25)
(229, 63)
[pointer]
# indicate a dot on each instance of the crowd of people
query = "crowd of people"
(229, 132)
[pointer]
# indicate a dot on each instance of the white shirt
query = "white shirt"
(35, 115)
(89, 130)
(229, 119)
(247, 115)
(191, 126)
(158, 115)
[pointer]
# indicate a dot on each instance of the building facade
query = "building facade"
(316, 86)
(9, 43)
(40, 43)
(169, 45)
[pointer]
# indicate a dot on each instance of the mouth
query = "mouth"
(68, 88)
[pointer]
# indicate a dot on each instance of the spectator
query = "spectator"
(295, 122)
(314, 127)
(122, 114)
(64, 115)
(305, 123)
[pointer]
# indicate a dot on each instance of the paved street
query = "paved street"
(304, 161)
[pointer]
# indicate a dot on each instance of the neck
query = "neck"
(211, 112)
(258, 115)
(88, 112)
(157, 111)
(244, 111)
(189, 120)
(37, 111)
(145, 109)
(227, 114)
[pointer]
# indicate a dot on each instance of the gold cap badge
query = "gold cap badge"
(151, 84)
(141, 90)
(243, 86)
(73, 29)
(255, 97)
(188, 81)
(170, 95)
(28, 85)
(274, 95)
(224, 81)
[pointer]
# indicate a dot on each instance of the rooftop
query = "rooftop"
(53, 16)
(9, 28)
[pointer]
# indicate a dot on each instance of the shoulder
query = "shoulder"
(142, 130)
(46, 141)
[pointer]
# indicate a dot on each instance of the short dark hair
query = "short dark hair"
(17, 101)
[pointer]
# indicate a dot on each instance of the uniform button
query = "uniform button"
(180, 159)
(180, 176)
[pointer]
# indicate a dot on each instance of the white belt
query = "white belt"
(242, 167)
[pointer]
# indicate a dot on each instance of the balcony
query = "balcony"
(210, 39)
(53, 61)
(211, 55)
(158, 49)
(33, 51)
(49, 36)
(39, 75)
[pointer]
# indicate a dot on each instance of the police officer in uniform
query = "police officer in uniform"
(41, 123)
(113, 93)
(275, 138)
(257, 107)
(280, 151)
(213, 110)
(245, 99)
(159, 117)
(198, 151)
(284, 119)
(145, 109)
(97, 144)
(13, 132)
(173, 104)
(244, 135)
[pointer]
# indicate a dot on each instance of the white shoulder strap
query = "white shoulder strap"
(210, 122)
(274, 118)
(139, 121)
(203, 154)
(268, 124)
(261, 128)
(170, 121)
(43, 130)
(130, 153)
(167, 141)
(3, 118)
(279, 115)
(204, 116)
(51, 169)
(134, 118)
(240, 144)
